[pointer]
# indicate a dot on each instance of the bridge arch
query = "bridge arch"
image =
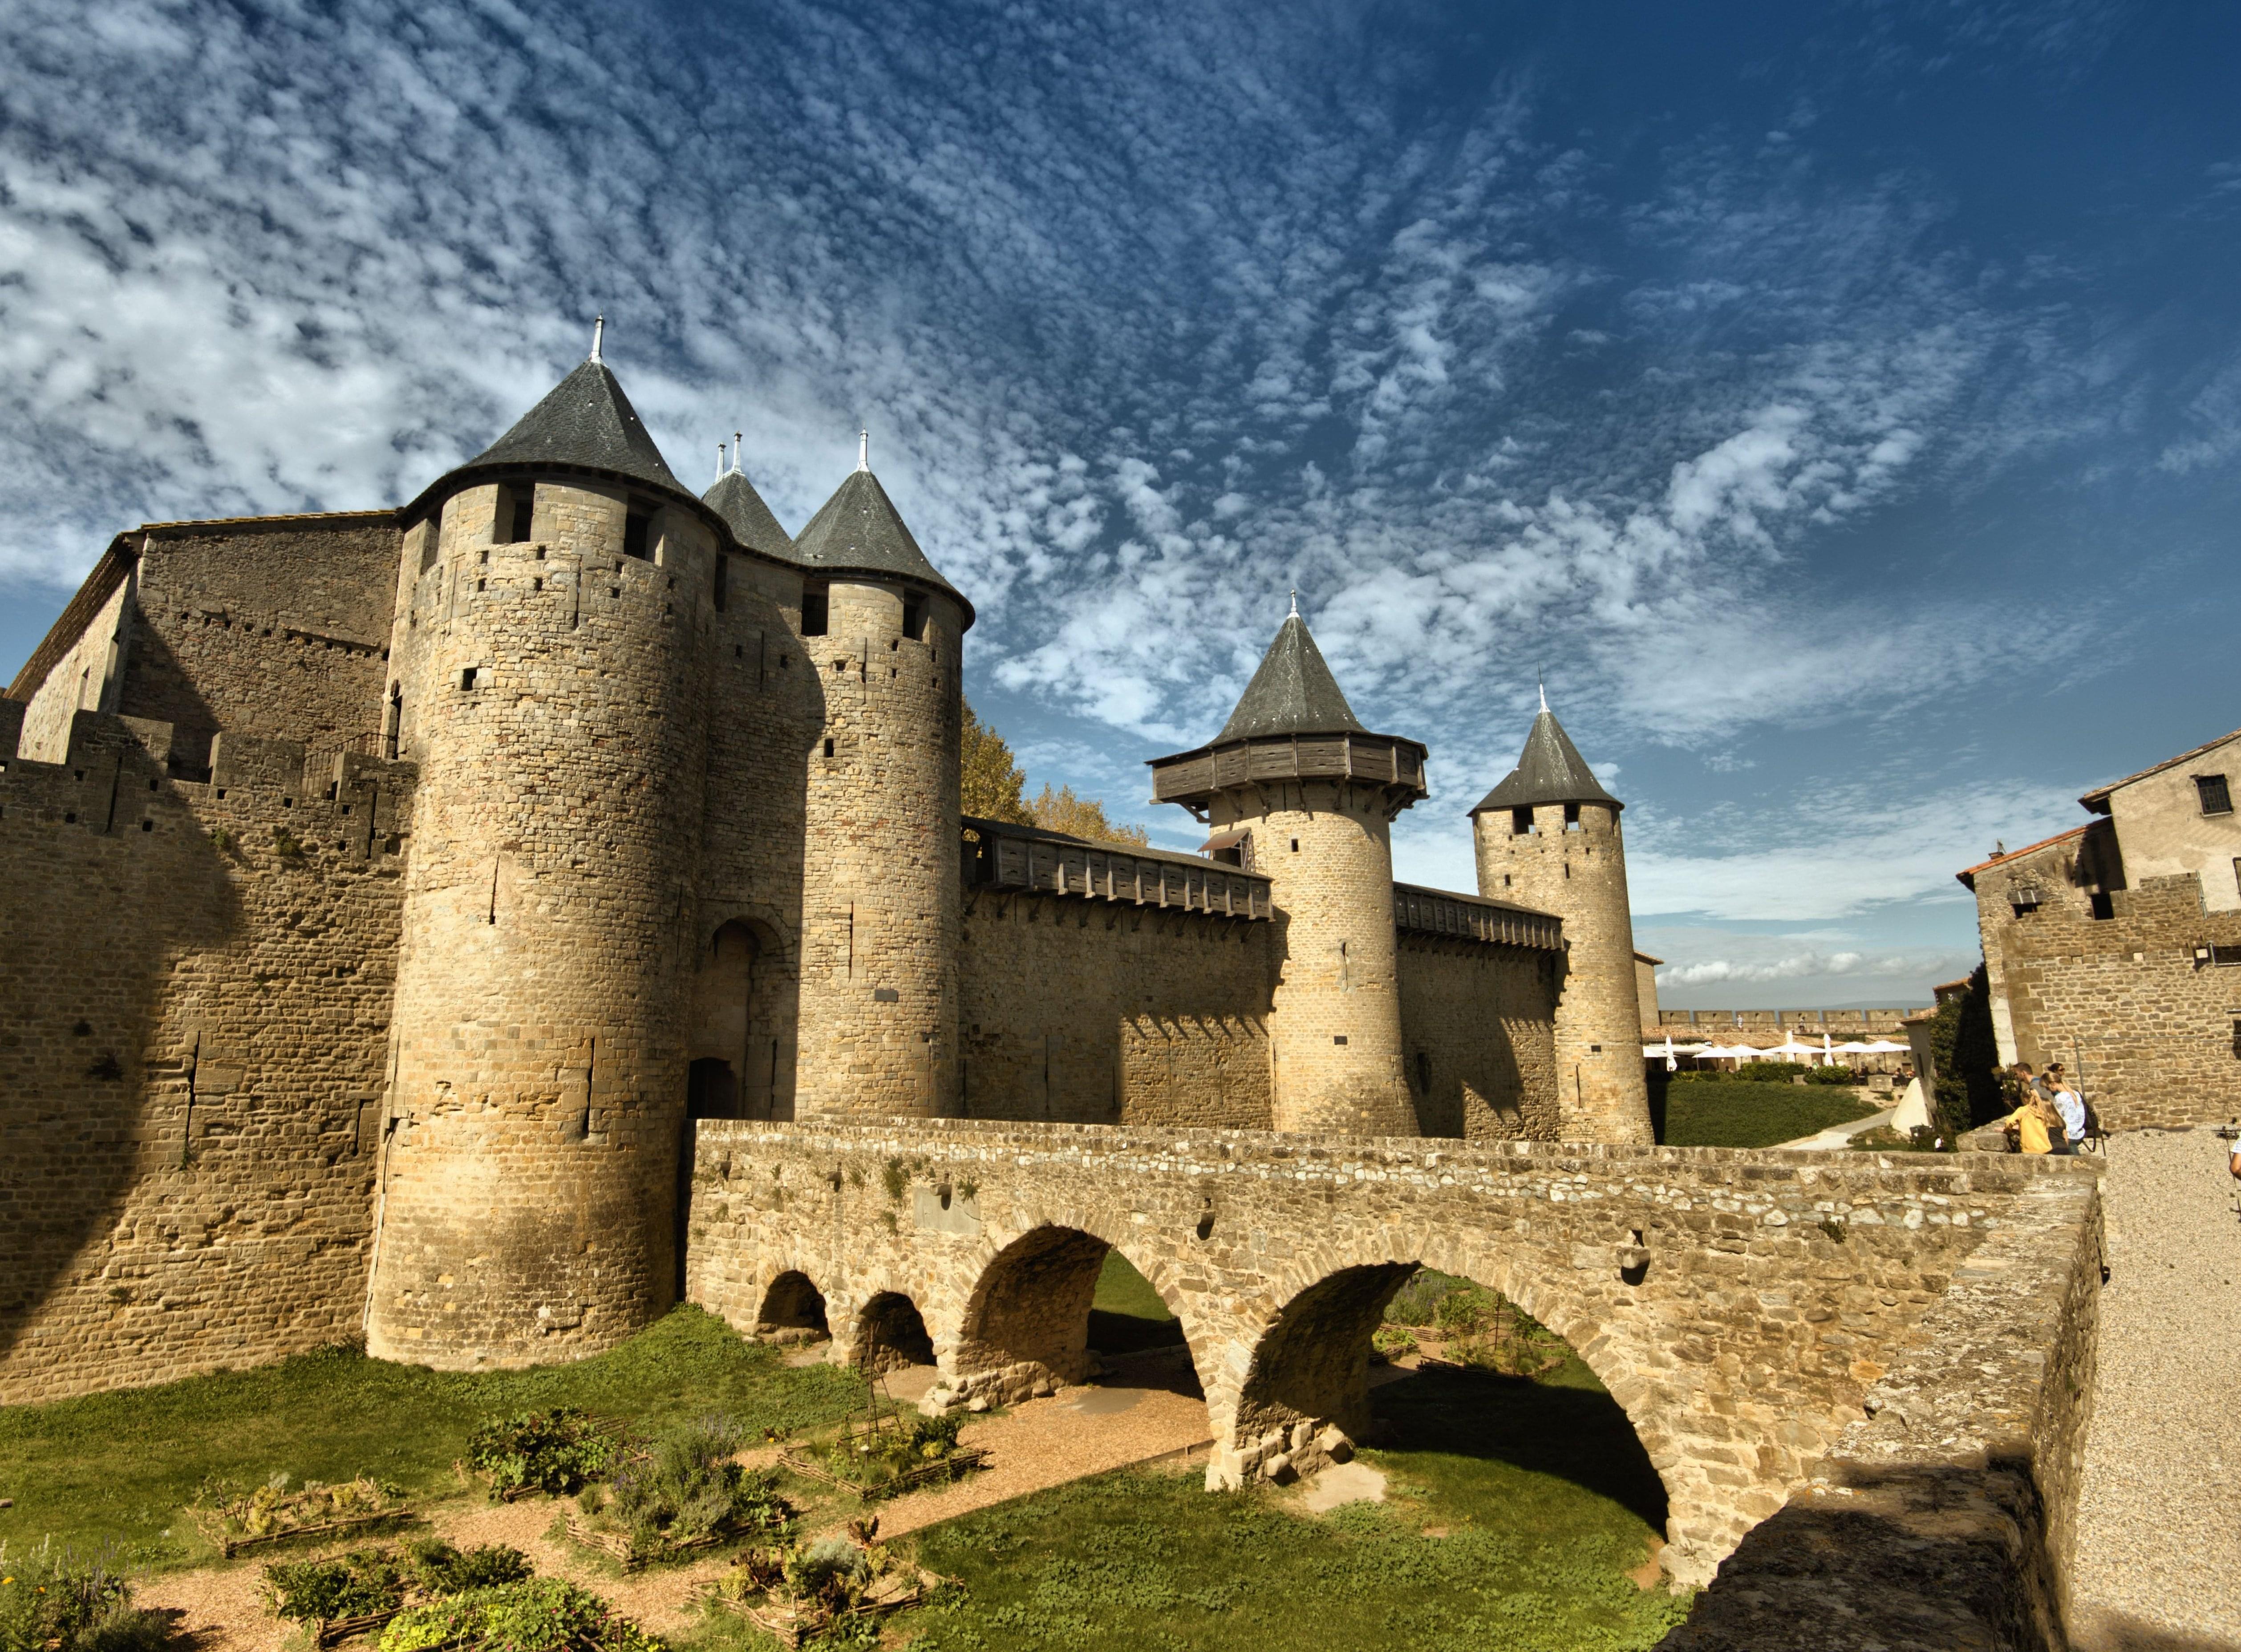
(1303, 1394)
(792, 1302)
(1023, 1325)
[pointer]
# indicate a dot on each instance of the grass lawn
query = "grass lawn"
(1542, 1494)
(1126, 1313)
(120, 1468)
(1741, 1113)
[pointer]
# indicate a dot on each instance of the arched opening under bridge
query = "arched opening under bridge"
(793, 1311)
(1459, 1390)
(891, 1335)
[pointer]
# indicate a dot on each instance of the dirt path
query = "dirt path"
(1046, 1442)
(2158, 1546)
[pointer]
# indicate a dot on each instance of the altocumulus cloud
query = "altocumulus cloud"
(1156, 312)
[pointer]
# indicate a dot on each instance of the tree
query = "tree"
(993, 780)
(1060, 810)
(1965, 1054)
(994, 788)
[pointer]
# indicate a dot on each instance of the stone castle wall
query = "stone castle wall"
(1742, 1307)
(1099, 1012)
(1476, 1028)
(197, 979)
(2135, 1005)
(555, 695)
(881, 881)
(277, 628)
(83, 678)
(1578, 871)
(1326, 847)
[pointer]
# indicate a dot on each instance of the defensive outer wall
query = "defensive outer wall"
(1782, 1329)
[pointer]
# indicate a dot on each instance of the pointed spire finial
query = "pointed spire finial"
(719, 461)
(863, 450)
(1545, 690)
(1296, 605)
(739, 440)
(599, 333)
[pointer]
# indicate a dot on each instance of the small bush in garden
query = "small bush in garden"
(1394, 1341)
(1415, 1302)
(1831, 1075)
(688, 1488)
(557, 1451)
(436, 1567)
(55, 1600)
(273, 1511)
(348, 1586)
(545, 1614)
(832, 1570)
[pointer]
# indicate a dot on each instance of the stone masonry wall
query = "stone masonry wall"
(197, 979)
(1096, 1013)
(276, 627)
(555, 695)
(1579, 873)
(1326, 847)
(1740, 1306)
(1478, 1038)
(2150, 1031)
(880, 877)
(83, 679)
(767, 716)
(1946, 1515)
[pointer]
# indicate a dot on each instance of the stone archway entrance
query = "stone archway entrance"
(743, 1016)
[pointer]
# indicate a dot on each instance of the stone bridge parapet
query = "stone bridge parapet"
(1740, 1306)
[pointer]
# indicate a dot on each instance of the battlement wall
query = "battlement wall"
(198, 978)
(1478, 1037)
(275, 626)
(1099, 1011)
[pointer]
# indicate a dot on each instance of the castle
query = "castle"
(386, 894)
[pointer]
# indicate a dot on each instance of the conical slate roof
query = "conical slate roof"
(734, 498)
(860, 531)
(1551, 771)
(1294, 693)
(586, 421)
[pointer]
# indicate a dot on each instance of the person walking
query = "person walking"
(2027, 1125)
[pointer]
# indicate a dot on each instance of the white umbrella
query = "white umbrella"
(1855, 1047)
(1791, 1048)
(1883, 1046)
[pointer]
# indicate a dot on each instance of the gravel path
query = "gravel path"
(2159, 1524)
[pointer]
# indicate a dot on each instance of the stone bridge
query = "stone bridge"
(1746, 1309)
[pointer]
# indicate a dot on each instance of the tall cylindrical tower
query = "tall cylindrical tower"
(1548, 836)
(880, 876)
(549, 666)
(1296, 783)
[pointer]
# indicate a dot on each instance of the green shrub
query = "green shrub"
(688, 1488)
(545, 1614)
(557, 1451)
(1831, 1075)
(55, 1600)
(1417, 1301)
(436, 1567)
(346, 1586)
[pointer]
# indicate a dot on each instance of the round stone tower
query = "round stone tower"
(1548, 836)
(1308, 796)
(879, 919)
(548, 678)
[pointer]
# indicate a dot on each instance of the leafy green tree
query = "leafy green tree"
(1966, 1052)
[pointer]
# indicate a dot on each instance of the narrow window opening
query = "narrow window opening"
(828, 748)
(467, 677)
(638, 529)
(1571, 816)
(914, 616)
(1338, 1038)
(482, 559)
(482, 584)
(523, 501)
(2217, 796)
(147, 826)
(1520, 823)
(2226, 957)
(816, 608)
(1296, 846)
(395, 720)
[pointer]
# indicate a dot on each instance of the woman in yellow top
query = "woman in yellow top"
(2029, 1124)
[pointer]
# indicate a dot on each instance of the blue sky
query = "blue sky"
(1840, 403)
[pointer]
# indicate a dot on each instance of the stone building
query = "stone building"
(386, 892)
(2107, 946)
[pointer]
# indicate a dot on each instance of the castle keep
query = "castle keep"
(386, 894)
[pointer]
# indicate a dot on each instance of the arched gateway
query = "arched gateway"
(1740, 1307)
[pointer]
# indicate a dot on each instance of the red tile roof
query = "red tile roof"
(1968, 877)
